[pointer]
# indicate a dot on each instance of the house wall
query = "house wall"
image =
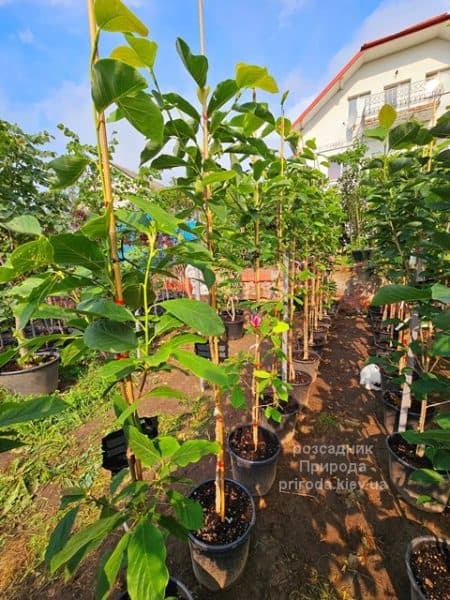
(329, 124)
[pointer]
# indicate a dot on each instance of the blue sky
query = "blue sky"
(44, 49)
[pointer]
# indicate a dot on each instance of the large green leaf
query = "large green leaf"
(31, 256)
(92, 535)
(177, 101)
(441, 293)
(110, 567)
(116, 370)
(193, 450)
(391, 294)
(252, 76)
(426, 477)
(113, 80)
(145, 49)
(197, 65)
(30, 410)
(110, 336)
(166, 222)
(387, 116)
(144, 115)
(147, 574)
(25, 224)
(198, 315)
(444, 157)
(202, 367)
(224, 92)
(75, 249)
(189, 512)
(404, 135)
(378, 133)
(105, 308)
(68, 169)
(166, 161)
(60, 535)
(441, 345)
(143, 447)
(113, 15)
(128, 56)
(218, 177)
(443, 420)
(73, 352)
(442, 127)
(442, 320)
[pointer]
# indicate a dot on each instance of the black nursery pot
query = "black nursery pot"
(114, 445)
(289, 410)
(219, 566)
(39, 380)
(400, 471)
(174, 589)
(234, 329)
(257, 476)
(391, 415)
(439, 548)
(204, 350)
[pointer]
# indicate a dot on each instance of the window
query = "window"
(437, 82)
(398, 95)
(357, 105)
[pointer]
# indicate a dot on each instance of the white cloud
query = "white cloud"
(26, 36)
(289, 8)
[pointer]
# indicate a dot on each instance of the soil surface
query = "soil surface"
(332, 527)
(431, 567)
(394, 398)
(407, 452)
(36, 361)
(239, 513)
(241, 441)
(302, 378)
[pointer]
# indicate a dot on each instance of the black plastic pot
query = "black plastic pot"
(217, 567)
(400, 472)
(310, 366)
(204, 350)
(391, 416)
(114, 445)
(300, 391)
(442, 545)
(40, 380)
(284, 429)
(256, 475)
(361, 255)
(234, 329)
(174, 589)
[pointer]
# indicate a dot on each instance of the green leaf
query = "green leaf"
(391, 294)
(189, 512)
(105, 308)
(442, 127)
(129, 57)
(147, 574)
(442, 320)
(144, 115)
(224, 92)
(7, 444)
(94, 534)
(60, 535)
(440, 458)
(252, 76)
(143, 447)
(7, 274)
(429, 383)
(403, 136)
(426, 477)
(262, 374)
(167, 446)
(75, 249)
(177, 101)
(379, 133)
(110, 336)
(193, 450)
(73, 352)
(197, 65)
(441, 346)
(198, 315)
(166, 161)
(71, 495)
(113, 15)
(444, 157)
(441, 293)
(165, 391)
(109, 569)
(400, 163)
(280, 327)
(145, 49)
(202, 367)
(273, 414)
(31, 256)
(113, 80)
(116, 370)
(238, 398)
(218, 176)
(443, 420)
(166, 222)
(25, 224)
(30, 410)
(387, 116)
(442, 238)
(68, 170)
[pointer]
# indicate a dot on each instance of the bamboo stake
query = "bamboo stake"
(214, 341)
(306, 320)
(126, 386)
(290, 366)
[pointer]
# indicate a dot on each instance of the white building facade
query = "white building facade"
(409, 70)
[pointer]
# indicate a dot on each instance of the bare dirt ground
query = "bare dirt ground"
(326, 530)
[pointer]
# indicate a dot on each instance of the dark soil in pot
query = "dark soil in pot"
(219, 550)
(392, 401)
(428, 566)
(255, 469)
(39, 377)
(403, 462)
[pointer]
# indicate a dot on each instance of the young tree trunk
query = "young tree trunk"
(410, 363)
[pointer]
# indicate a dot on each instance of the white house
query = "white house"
(409, 69)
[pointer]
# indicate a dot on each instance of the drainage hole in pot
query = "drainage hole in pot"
(430, 564)
(238, 516)
(241, 442)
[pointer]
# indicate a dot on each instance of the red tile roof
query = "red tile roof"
(413, 29)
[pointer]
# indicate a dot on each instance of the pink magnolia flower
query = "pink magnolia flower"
(255, 320)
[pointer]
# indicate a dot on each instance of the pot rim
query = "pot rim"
(308, 360)
(413, 544)
(56, 358)
(396, 408)
(265, 461)
(225, 547)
